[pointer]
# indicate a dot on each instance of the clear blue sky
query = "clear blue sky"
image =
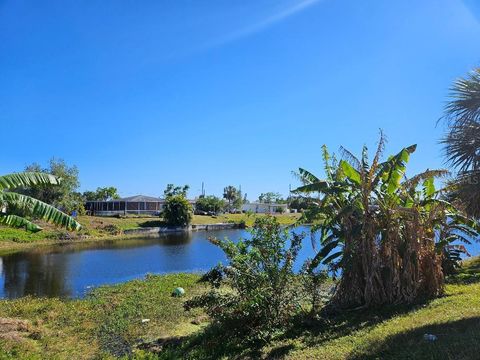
(139, 94)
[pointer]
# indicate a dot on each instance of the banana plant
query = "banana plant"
(386, 233)
(37, 208)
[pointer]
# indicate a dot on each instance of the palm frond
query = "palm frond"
(462, 144)
(464, 105)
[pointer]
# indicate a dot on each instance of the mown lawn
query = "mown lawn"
(109, 324)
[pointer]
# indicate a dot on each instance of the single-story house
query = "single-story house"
(262, 208)
(138, 204)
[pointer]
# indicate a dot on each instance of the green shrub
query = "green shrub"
(210, 204)
(259, 292)
(177, 211)
(279, 210)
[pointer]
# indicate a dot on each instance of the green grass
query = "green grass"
(284, 219)
(398, 333)
(394, 332)
(109, 323)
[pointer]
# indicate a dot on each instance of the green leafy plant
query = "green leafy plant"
(29, 205)
(210, 204)
(255, 294)
(102, 194)
(173, 190)
(384, 232)
(177, 211)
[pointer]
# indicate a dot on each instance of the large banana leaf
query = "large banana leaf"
(319, 186)
(307, 177)
(393, 170)
(40, 209)
(26, 179)
(18, 222)
(350, 172)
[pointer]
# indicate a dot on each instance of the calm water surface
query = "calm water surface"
(71, 270)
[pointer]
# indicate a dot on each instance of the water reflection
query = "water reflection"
(69, 270)
(35, 274)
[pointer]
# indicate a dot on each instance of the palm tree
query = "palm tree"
(29, 205)
(231, 194)
(380, 229)
(462, 141)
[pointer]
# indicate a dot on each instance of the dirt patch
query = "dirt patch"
(14, 329)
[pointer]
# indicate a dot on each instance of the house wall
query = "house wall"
(261, 208)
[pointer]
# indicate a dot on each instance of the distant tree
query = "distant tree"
(270, 197)
(237, 204)
(31, 207)
(101, 194)
(89, 195)
(210, 204)
(173, 190)
(65, 195)
(177, 211)
(233, 196)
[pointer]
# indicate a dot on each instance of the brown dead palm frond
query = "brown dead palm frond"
(350, 158)
(378, 154)
(413, 182)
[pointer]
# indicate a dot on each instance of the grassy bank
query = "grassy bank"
(99, 228)
(109, 323)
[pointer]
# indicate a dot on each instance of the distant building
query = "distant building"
(262, 208)
(138, 204)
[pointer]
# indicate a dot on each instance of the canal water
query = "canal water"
(71, 270)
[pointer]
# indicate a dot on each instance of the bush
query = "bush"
(279, 210)
(210, 204)
(261, 292)
(177, 211)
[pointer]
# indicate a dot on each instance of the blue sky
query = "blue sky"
(141, 94)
